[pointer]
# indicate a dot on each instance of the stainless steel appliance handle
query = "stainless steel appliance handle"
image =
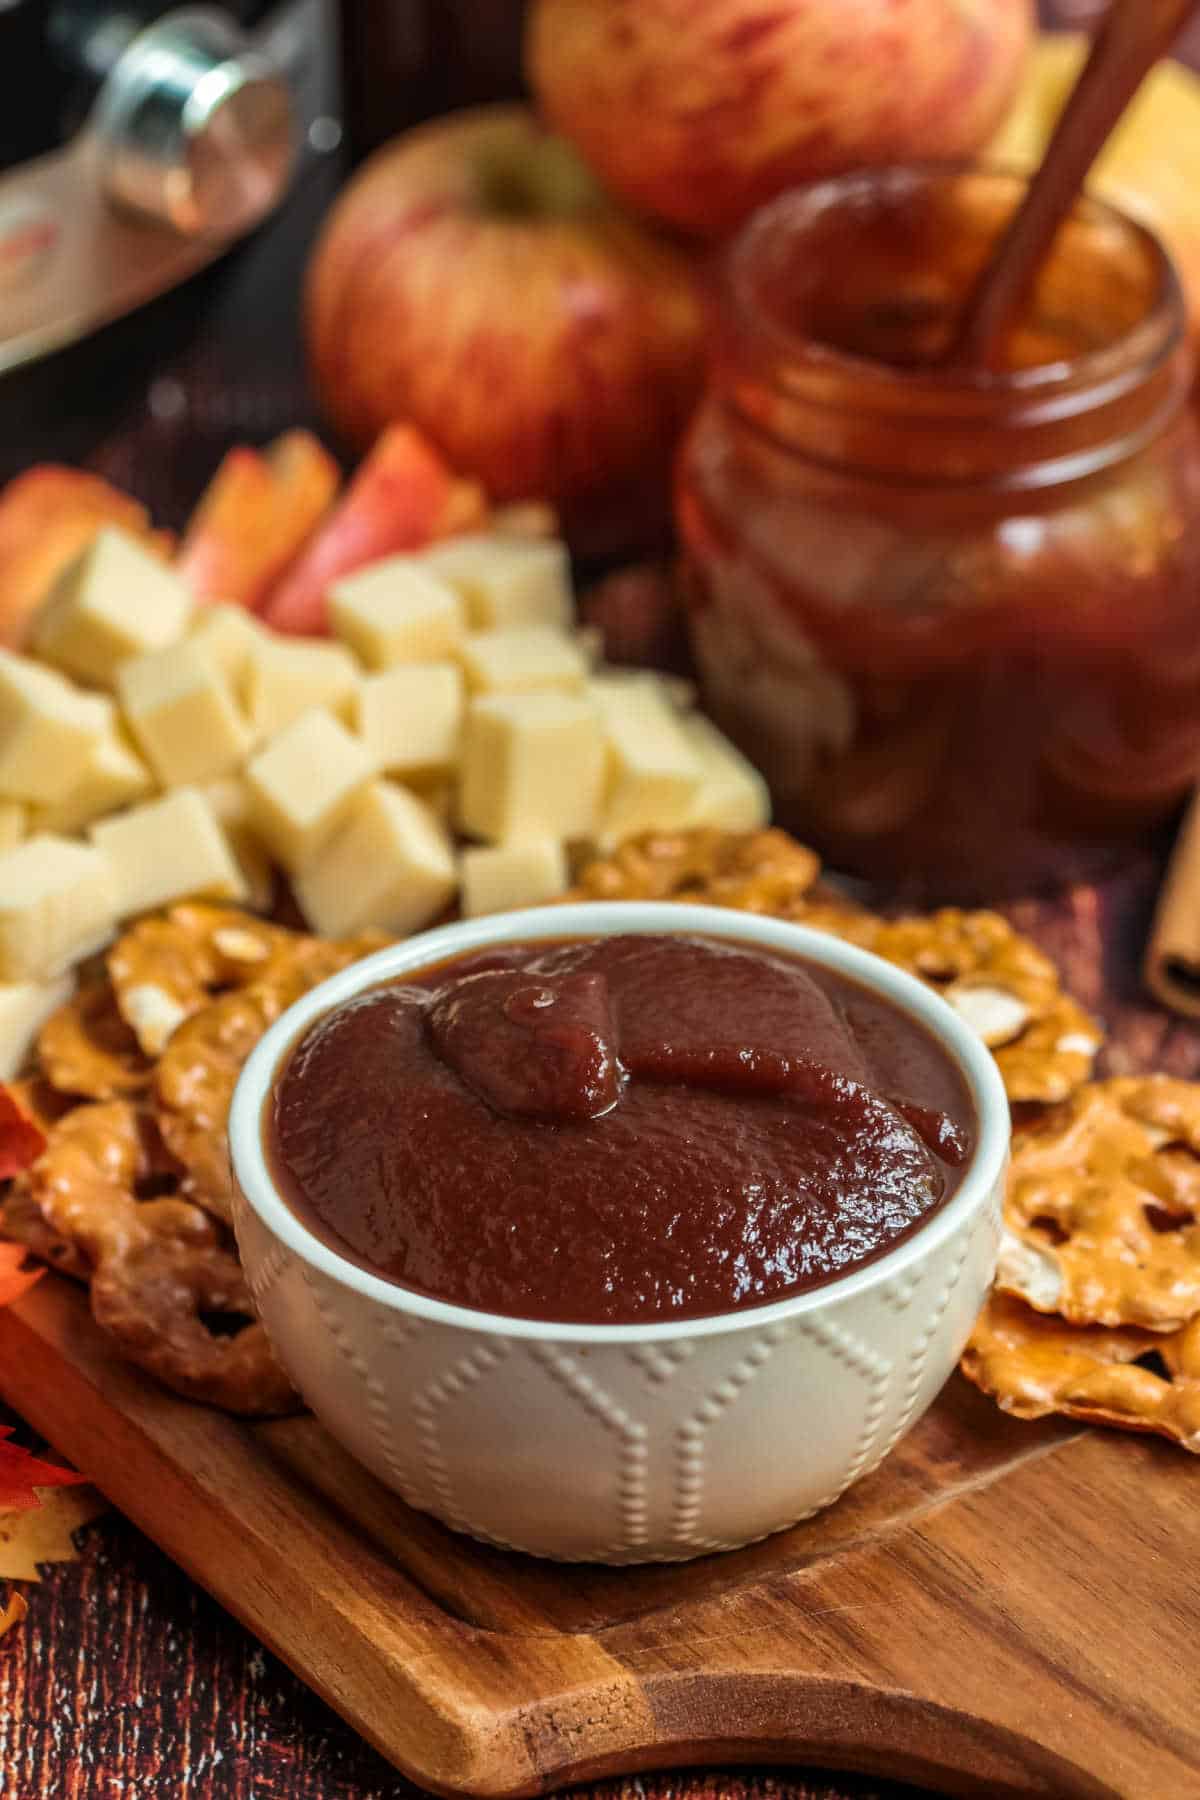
(193, 140)
(193, 125)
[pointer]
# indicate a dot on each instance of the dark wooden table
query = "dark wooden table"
(127, 1682)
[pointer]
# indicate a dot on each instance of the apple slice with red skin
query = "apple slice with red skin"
(402, 497)
(255, 516)
(48, 516)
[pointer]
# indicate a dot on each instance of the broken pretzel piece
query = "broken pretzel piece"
(752, 871)
(1137, 1380)
(1006, 990)
(166, 968)
(1103, 1207)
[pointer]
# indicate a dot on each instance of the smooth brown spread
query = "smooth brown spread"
(616, 1130)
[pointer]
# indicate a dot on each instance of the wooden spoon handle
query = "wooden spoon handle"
(1132, 36)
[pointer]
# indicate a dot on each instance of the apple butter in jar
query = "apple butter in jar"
(954, 614)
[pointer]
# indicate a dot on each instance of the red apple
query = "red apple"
(473, 280)
(697, 110)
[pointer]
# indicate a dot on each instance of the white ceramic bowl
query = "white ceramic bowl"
(622, 1443)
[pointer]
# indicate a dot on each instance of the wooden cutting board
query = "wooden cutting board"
(1000, 1609)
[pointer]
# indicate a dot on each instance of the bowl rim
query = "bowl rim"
(608, 918)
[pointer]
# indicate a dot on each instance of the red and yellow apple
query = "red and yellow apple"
(1150, 166)
(694, 111)
(474, 280)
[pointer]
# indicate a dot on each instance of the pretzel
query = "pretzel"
(153, 1303)
(156, 1266)
(87, 1048)
(1103, 1207)
(1003, 986)
(756, 871)
(44, 1104)
(23, 1222)
(197, 1072)
(1138, 1380)
(86, 1180)
(193, 1089)
(167, 967)
(822, 909)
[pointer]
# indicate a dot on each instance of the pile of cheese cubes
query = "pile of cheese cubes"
(453, 738)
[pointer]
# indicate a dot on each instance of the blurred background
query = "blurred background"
(153, 401)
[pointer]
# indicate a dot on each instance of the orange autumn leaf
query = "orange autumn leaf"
(13, 1612)
(21, 1473)
(22, 1140)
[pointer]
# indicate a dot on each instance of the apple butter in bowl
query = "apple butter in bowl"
(619, 1130)
(619, 1232)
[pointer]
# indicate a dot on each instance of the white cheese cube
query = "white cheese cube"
(437, 792)
(168, 849)
(114, 602)
(113, 776)
(24, 1008)
(303, 783)
(56, 905)
(410, 717)
(230, 801)
(505, 579)
(732, 795)
(500, 877)
(182, 715)
(532, 766)
(520, 659)
(14, 822)
(653, 771)
(396, 611)
(228, 636)
(47, 730)
(390, 865)
(287, 676)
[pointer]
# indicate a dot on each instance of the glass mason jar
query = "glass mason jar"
(954, 615)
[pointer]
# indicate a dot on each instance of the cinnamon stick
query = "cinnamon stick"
(1172, 963)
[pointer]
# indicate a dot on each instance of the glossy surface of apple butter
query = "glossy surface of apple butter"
(953, 615)
(617, 1130)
